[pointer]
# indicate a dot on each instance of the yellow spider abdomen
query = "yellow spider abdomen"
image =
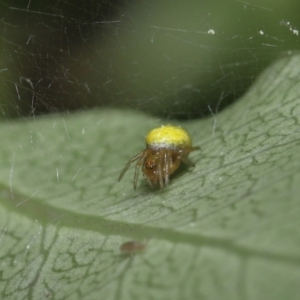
(168, 137)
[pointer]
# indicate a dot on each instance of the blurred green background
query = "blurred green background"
(175, 59)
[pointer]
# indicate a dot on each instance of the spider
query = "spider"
(166, 148)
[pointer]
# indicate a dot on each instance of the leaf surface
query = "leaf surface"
(226, 229)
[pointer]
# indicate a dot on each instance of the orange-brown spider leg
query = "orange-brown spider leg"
(138, 165)
(188, 162)
(166, 167)
(131, 160)
(160, 175)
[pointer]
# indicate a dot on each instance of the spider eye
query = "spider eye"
(150, 164)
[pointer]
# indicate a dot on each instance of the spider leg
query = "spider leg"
(166, 167)
(160, 176)
(161, 168)
(131, 160)
(142, 156)
(187, 161)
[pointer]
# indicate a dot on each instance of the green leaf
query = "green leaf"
(226, 229)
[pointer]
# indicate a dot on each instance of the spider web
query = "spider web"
(172, 59)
